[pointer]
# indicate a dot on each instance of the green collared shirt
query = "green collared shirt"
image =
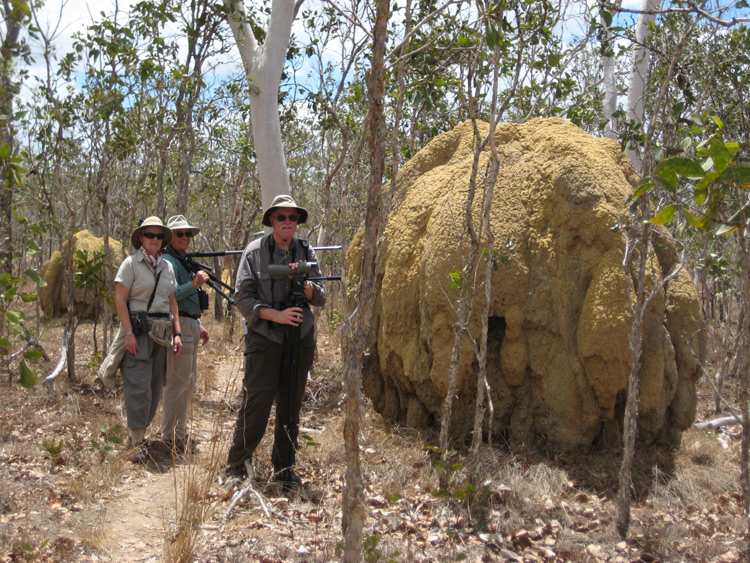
(185, 293)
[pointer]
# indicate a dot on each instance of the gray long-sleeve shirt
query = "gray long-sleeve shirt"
(255, 288)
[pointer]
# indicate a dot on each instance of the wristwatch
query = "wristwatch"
(178, 334)
(128, 333)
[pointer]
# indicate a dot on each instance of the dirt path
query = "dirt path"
(138, 519)
(141, 512)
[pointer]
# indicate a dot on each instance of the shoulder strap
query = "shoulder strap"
(306, 245)
(153, 293)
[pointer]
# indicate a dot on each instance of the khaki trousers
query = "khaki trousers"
(178, 391)
(143, 380)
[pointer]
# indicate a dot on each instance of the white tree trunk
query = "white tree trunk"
(637, 82)
(263, 66)
(610, 78)
(610, 96)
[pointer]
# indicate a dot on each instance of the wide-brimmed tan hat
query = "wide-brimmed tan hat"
(179, 223)
(135, 238)
(284, 201)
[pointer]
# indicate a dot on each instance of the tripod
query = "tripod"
(289, 367)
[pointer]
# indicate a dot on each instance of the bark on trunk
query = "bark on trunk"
(482, 384)
(356, 329)
(630, 423)
(744, 391)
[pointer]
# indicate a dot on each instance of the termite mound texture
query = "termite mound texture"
(53, 298)
(558, 357)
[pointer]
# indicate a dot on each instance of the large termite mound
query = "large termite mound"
(90, 262)
(559, 322)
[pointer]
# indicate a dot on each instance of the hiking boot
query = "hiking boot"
(288, 480)
(139, 453)
(109, 383)
(237, 473)
(186, 445)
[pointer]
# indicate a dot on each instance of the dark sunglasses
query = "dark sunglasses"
(159, 236)
(282, 217)
(180, 234)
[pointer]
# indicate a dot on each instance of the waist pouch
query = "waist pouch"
(139, 321)
(161, 331)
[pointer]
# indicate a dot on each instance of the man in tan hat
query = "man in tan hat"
(264, 301)
(178, 391)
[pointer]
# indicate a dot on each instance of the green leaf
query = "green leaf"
(693, 221)
(14, 317)
(670, 179)
(733, 148)
(28, 297)
(33, 355)
(682, 166)
(665, 215)
(493, 36)
(738, 174)
(36, 278)
(5, 347)
(31, 245)
(643, 188)
(28, 379)
(719, 154)
(7, 280)
(606, 16)
(719, 123)
(706, 181)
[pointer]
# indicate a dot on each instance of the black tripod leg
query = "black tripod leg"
(286, 443)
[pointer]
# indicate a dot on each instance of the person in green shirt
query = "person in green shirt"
(178, 391)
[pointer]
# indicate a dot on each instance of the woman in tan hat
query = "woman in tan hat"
(146, 304)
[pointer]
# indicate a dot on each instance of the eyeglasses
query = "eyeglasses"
(159, 236)
(180, 234)
(282, 217)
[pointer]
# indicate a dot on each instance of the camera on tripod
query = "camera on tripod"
(279, 270)
(297, 296)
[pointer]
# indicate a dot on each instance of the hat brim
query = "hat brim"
(193, 230)
(135, 238)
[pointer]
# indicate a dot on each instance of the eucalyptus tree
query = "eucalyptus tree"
(54, 154)
(263, 51)
(13, 50)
